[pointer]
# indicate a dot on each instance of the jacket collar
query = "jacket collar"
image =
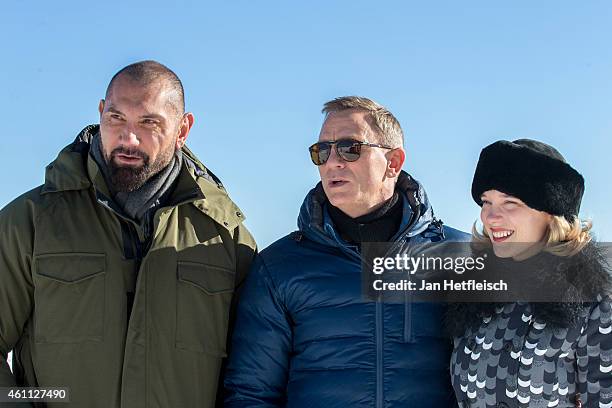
(588, 271)
(315, 222)
(74, 169)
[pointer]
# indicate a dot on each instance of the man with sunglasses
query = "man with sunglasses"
(305, 335)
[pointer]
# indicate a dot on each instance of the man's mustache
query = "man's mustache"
(129, 152)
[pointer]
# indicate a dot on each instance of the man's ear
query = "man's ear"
(101, 106)
(395, 161)
(186, 123)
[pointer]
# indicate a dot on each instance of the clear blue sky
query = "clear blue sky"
(458, 75)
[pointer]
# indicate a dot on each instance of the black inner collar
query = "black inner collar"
(379, 225)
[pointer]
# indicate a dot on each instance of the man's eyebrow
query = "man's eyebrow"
(156, 116)
(113, 110)
(152, 116)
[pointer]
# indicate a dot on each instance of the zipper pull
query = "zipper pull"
(296, 236)
(438, 224)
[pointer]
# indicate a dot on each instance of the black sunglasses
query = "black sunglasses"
(347, 149)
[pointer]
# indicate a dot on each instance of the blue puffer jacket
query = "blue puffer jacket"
(306, 337)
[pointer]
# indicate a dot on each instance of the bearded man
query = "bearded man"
(117, 275)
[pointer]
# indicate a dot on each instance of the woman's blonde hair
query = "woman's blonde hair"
(563, 238)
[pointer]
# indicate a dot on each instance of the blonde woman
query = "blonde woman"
(522, 354)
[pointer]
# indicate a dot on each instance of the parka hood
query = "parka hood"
(69, 171)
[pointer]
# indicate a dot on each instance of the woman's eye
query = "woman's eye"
(485, 202)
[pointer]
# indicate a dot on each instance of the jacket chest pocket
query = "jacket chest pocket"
(204, 296)
(69, 297)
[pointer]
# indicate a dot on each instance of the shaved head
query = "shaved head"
(146, 73)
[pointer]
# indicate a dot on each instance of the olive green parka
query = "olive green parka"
(71, 266)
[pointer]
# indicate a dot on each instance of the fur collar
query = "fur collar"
(588, 271)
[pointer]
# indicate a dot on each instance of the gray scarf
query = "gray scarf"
(144, 200)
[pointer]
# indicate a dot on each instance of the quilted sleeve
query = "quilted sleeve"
(261, 345)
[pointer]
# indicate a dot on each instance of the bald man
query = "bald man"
(117, 275)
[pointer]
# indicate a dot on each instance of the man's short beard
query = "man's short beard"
(129, 178)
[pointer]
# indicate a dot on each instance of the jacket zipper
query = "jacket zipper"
(379, 337)
(379, 325)
(379, 353)
(140, 276)
(139, 257)
(407, 298)
(137, 247)
(408, 319)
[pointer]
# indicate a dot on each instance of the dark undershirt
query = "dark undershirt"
(378, 226)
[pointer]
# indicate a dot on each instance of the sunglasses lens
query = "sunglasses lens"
(319, 153)
(349, 150)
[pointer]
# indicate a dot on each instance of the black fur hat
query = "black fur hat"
(532, 171)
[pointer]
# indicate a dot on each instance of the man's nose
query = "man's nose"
(129, 136)
(334, 159)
